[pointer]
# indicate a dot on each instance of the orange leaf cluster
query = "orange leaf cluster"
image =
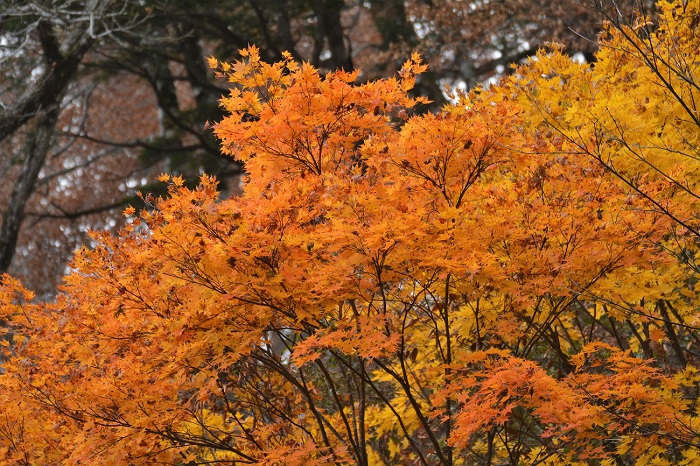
(486, 285)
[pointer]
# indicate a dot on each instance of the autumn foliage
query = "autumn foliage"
(509, 281)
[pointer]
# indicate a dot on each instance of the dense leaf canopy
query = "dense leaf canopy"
(511, 280)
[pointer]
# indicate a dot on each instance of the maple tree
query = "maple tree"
(132, 97)
(509, 281)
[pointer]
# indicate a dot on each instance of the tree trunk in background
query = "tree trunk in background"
(36, 149)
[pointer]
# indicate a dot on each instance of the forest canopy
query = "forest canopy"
(97, 98)
(510, 279)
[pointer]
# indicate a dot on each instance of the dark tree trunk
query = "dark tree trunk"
(43, 102)
(60, 69)
(36, 149)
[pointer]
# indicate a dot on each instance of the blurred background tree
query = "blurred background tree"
(98, 96)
